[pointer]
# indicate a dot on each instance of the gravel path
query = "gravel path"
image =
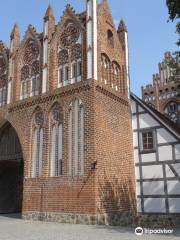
(12, 228)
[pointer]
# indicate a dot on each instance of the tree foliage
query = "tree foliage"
(174, 15)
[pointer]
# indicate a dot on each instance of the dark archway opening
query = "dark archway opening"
(11, 171)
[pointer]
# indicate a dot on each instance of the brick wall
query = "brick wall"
(115, 189)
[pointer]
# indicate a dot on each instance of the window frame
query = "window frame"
(74, 70)
(33, 86)
(79, 70)
(66, 73)
(23, 87)
(26, 88)
(152, 150)
(60, 76)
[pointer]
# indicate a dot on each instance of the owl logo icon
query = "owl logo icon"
(139, 231)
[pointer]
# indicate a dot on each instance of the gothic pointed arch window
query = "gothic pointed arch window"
(116, 75)
(31, 52)
(76, 138)
(63, 69)
(105, 69)
(37, 143)
(35, 78)
(70, 54)
(24, 82)
(76, 63)
(3, 79)
(56, 141)
(30, 71)
(110, 38)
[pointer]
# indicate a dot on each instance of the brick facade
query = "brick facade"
(106, 190)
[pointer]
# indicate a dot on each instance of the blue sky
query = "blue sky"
(149, 33)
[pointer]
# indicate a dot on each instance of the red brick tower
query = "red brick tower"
(68, 103)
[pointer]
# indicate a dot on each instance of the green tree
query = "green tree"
(174, 15)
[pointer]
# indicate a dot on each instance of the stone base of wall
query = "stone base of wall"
(116, 219)
(121, 219)
(157, 220)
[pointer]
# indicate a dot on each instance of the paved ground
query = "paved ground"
(12, 228)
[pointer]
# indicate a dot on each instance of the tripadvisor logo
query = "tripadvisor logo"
(139, 231)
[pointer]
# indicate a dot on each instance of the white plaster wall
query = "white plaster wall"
(176, 167)
(169, 172)
(9, 92)
(165, 153)
(156, 205)
(140, 109)
(177, 151)
(127, 62)
(149, 157)
(147, 121)
(133, 106)
(95, 37)
(138, 188)
(153, 171)
(45, 53)
(135, 139)
(137, 172)
(44, 83)
(76, 133)
(153, 188)
(134, 122)
(173, 187)
(174, 206)
(163, 136)
(136, 155)
(139, 205)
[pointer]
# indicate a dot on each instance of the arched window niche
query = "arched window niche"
(105, 69)
(37, 143)
(116, 76)
(70, 54)
(3, 79)
(30, 71)
(76, 138)
(110, 38)
(24, 82)
(35, 78)
(56, 141)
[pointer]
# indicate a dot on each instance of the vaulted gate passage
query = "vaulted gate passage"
(11, 171)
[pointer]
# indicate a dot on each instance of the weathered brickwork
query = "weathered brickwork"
(105, 192)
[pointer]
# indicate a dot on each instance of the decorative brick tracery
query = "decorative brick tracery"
(35, 68)
(31, 51)
(69, 35)
(24, 73)
(76, 52)
(63, 57)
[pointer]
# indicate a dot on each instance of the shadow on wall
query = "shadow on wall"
(159, 209)
(158, 204)
(117, 200)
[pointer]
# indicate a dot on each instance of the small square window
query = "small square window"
(148, 142)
